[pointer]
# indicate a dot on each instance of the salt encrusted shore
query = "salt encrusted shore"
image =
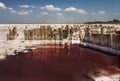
(19, 44)
(9, 47)
(101, 48)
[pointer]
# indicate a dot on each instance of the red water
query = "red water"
(58, 63)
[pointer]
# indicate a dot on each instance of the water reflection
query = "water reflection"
(58, 63)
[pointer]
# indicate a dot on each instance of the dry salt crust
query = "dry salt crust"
(115, 77)
(8, 47)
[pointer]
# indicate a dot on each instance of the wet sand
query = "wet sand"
(58, 63)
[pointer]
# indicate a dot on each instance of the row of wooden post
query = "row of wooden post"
(111, 40)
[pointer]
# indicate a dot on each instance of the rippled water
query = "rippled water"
(58, 63)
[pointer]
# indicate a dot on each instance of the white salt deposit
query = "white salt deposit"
(8, 47)
(115, 77)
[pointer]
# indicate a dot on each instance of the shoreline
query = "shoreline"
(103, 49)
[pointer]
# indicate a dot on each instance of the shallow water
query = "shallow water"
(58, 63)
